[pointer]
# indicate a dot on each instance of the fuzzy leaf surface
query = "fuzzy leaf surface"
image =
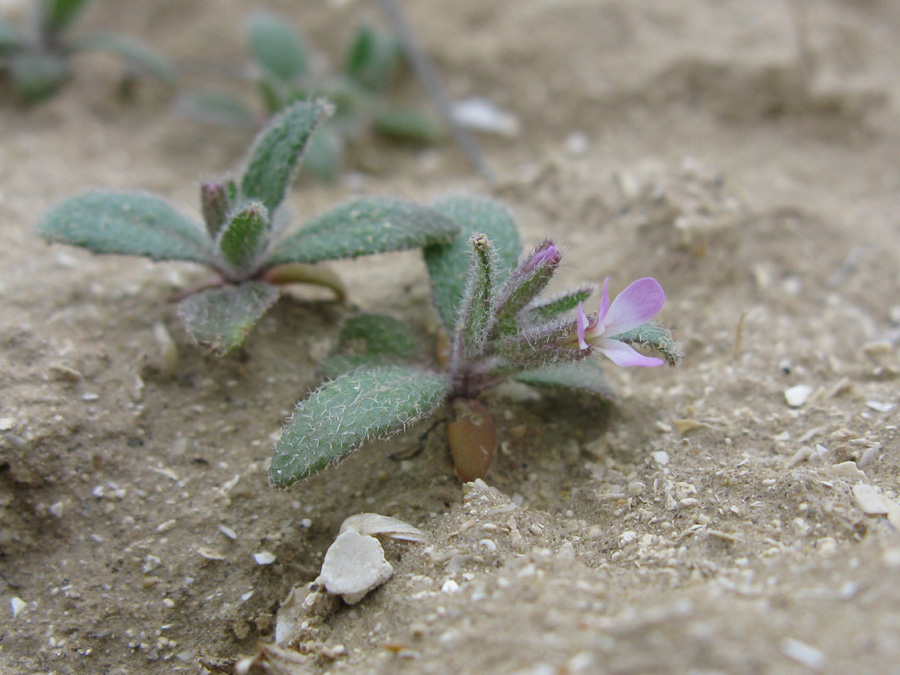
(277, 150)
(220, 318)
(372, 340)
(585, 376)
(348, 411)
(242, 238)
(139, 56)
(655, 338)
(448, 264)
(276, 46)
(364, 226)
(553, 306)
(126, 223)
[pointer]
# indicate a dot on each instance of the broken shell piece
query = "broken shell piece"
(869, 500)
(374, 524)
(354, 565)
(797, 395)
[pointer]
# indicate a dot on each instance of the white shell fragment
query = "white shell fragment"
(797, 395)
(374, 524)
(264, 558)
(869, 500)
(354, 565)
(17, 605)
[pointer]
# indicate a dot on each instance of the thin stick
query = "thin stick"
(431, 81)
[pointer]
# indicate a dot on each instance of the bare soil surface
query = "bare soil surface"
(743, 153)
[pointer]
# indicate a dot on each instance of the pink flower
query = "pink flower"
(633, 307)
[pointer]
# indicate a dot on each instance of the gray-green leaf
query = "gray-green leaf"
(243, 236)
(585, 376)
(126, 223)
(408, 124)
(372, 340)
(220, 318)
(448, 263)
(324, 153)
(38, 75)
(276, 46)
(365, 226)
(277, 150)
(347, 412)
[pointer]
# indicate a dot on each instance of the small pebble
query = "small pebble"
(797, 395)
(661, 457)
(450, 586)
(58, 509)
(879, 406)
(7, 423)
(354, 565)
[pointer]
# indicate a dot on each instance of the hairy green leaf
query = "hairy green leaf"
(277, 151)
(139, 56)
(372, 340)
(38, 75)
(654, 337)
(448, 264)
(585, 376)
(476, 316)
(58, 15)
(408, 124)
(244, 235)
(126, 223)
(554, 305)
(220, 318)
(277, 47)
(364, 226)
(348, 411)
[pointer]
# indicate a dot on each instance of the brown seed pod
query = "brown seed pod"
(473, 439)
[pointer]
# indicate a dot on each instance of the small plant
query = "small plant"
(285, 74)
(40, 62)
(500, 327)
(244, 240)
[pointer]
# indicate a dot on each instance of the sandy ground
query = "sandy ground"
(745, 154)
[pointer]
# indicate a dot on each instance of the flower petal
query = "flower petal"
(625, 355)
(634, 306)
(581, 323)
(604, 307)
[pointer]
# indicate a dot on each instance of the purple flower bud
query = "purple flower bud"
(546, 255)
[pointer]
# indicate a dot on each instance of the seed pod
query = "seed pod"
(473, 439)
